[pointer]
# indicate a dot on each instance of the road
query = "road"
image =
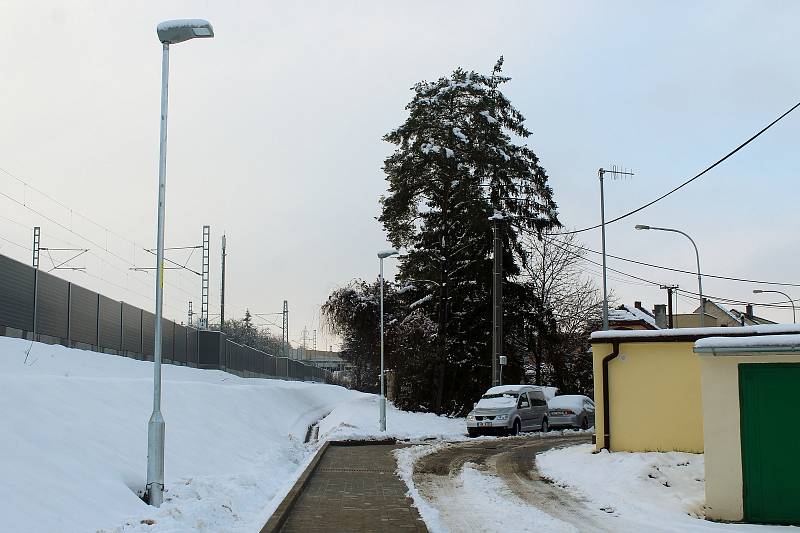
(499, 475)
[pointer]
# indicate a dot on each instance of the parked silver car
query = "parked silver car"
(571, 410)
(509, 409)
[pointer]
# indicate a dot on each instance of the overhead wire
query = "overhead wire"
(686, 182)
(694, 273)
(779, 305)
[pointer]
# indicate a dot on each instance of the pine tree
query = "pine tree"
(459, 159)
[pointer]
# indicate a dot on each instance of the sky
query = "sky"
(276, 125)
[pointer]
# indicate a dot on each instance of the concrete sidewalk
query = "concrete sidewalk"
(354, 489)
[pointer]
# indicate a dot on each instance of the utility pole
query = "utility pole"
(305, 338)
(204, 277)
(37, 241)
(222, 290)
(614, 174)
(497, 297)
(670, 289)
(285, 328)
(315, 340)
(191, 313)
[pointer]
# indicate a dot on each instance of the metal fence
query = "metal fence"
(38, 306)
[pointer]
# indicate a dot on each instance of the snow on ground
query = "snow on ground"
(358, 419)
(74, 441)
(406, 457)
(476, 502)
(650, 491)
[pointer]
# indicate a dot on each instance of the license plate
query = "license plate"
(482, 424)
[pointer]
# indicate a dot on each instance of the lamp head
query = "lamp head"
(757, 291)
(642, 226)
(177, 31)
(387, 253)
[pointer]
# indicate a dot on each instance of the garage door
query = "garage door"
(768, 397)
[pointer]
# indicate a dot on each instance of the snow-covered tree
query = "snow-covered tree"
(460, 158)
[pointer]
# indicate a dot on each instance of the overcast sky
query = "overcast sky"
(275, 132)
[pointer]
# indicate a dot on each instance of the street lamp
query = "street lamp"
(794, 316)
(697, 254)
(382, 405)
(169, 32)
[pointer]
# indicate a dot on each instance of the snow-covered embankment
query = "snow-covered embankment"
(74, 443)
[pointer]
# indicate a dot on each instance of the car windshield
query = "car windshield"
(502, 399)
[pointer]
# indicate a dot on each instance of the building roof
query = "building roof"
(692, 334)
(632, 315)
(735, 315)
(789, 343)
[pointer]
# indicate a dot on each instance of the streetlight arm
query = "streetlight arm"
(791, 302)
(697, 255)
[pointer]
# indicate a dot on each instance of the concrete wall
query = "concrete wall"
(654, 396)
(723, 459)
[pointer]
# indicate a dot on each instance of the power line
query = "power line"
(694, 273)
(97, 245)
(685, 183)
(778, 305)
(9, 241)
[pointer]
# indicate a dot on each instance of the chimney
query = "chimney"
(660, 312)
(749, 311)
(638, 305)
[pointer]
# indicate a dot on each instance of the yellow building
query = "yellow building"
(647, 386)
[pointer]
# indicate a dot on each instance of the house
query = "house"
(635, 318)
(726, 317)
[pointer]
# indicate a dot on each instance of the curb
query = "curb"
(278, 518)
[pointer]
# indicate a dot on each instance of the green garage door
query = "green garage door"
(768, 398)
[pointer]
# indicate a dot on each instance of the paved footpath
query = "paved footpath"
(355, 489)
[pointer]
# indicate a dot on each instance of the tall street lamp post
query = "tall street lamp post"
(169, 32)
(697, 254)
(382, 406)
(794, 315)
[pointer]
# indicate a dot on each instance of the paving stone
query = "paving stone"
(355, 489)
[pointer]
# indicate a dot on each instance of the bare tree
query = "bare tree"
(566, 309)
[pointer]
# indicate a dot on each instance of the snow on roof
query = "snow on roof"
(778, 343)
(761, 329)
(630, 314)
(574, 401)
(548, 391)
(505, 388)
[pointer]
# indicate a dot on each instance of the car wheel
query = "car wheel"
(516, 428)
(585, 423)
(545, 426)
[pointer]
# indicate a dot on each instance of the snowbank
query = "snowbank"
(358, 419)
(650, 491)
(74, 446)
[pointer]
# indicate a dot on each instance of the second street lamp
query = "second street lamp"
(169, 32)
(794, 316)
(382, 402)
(697, 254)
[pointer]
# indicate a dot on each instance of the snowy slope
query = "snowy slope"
(74, 441)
